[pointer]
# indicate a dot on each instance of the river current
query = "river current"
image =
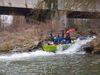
(69, 62)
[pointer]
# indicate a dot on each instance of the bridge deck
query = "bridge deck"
(20, 3)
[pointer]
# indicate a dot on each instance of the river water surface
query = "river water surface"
(68, 62)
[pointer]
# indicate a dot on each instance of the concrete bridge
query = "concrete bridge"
(18, 7)
(23, 7)
(20, 3)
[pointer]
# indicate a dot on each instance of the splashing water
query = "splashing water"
(78, 44)
(24, 56)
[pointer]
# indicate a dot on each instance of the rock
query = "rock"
(16, 50)
(96, 45)
(88, 48)
(96, 52)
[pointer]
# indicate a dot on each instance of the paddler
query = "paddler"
(51, 37)
(68, 38)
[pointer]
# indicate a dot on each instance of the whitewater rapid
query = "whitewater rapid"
(73, 49)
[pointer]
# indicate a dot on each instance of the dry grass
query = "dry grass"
(23, 39)
(24, 35)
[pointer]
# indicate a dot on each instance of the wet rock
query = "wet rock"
(96, 45)
(35, 47)
(97, 52)
(32, 48)
(16, 49)
(88, 48)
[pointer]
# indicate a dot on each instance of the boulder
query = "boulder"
(96, 45)
(88, 48)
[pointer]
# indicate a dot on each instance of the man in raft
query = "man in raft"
(59, 39)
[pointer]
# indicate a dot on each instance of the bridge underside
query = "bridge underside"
(38, 14)
(29, 11)
(83, 14)
(14, 11)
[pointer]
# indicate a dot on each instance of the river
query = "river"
(68, 62)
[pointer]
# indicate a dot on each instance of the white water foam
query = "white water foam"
(78, 44)
(23, 56)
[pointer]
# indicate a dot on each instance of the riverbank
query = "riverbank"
(22, 37)
(21, 40)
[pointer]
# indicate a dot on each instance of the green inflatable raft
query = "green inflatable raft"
(54, 48)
